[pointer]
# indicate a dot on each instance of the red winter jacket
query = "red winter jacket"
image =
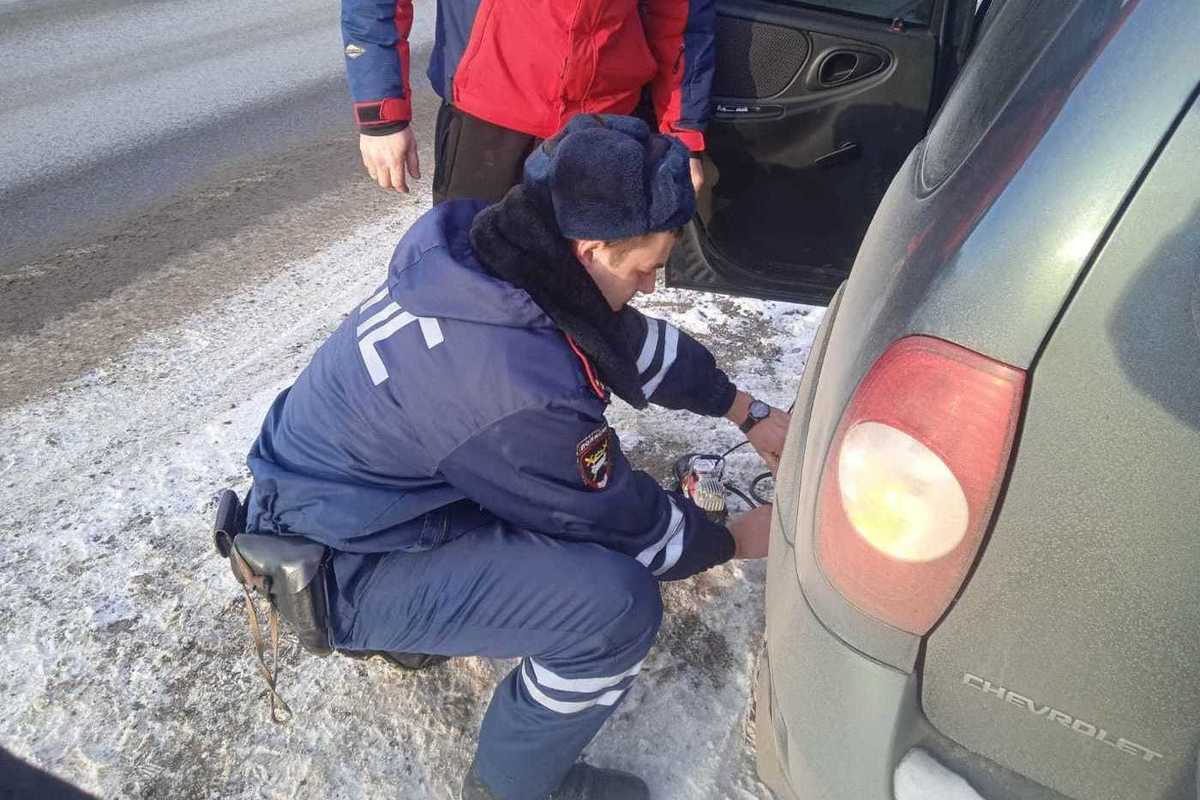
(531, 65)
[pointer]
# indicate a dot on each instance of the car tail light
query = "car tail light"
(912, 476)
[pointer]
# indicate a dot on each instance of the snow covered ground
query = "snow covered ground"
(126, 666)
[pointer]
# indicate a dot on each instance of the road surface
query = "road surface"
(156, 156)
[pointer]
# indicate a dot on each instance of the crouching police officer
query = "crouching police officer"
(448, 444)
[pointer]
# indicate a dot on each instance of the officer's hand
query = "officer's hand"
(387, 157)
(697, 165)
(751, 532)
(768, 437)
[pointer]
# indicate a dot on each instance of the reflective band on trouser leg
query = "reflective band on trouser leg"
(549, 707)
(575, 691)
(538, 723)
(609, 698)
(582, 618)
(550, 680)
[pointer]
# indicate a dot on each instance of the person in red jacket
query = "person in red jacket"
(513, 72)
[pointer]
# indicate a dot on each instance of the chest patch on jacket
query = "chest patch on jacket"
(594, 457)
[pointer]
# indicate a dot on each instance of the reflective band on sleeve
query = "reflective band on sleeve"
(552, 680)
(649, 346)
(668, 359)
(674, 551)
(674, 528)
(563, 706)
(375, 300)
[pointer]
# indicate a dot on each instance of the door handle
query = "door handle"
(838, 68)
(843, 66)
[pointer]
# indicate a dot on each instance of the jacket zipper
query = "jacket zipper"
(562, 76)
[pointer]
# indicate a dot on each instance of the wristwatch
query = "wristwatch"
(758, 412)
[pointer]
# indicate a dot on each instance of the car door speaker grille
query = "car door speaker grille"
(755, 60)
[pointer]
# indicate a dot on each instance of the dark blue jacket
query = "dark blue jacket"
(449, 386)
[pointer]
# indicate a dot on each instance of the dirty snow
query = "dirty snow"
(126, 666)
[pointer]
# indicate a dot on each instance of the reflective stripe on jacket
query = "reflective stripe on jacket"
(450, 387)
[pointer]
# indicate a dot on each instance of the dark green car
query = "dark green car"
(987, 544)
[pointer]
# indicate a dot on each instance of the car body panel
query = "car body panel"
(912, 242)
(1085, 609)
(955, 241)
(806, 443)
(790, 464)
(1033, 242)
(1083, 113)
(818, 728)
(836, 729)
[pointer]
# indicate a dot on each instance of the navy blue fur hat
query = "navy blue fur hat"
(609, 177)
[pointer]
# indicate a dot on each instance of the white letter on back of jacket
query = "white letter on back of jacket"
(376, 332)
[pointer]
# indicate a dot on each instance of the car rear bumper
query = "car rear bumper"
(832, 723)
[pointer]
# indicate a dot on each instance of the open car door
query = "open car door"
(817, 104)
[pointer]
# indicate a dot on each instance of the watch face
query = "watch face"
(759, 410)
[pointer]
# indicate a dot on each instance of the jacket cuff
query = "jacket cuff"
(710, 544)
(726, 547)
(374, 115)
(383, 130)
(713, 545)
(692, 140)
(719, 398)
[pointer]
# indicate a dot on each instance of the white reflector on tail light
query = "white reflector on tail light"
(899, 495)
(912, 476)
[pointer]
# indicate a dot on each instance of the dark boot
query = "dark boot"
(409, 661)
(413, 661)
(583, 782)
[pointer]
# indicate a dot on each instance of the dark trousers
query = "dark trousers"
(19, 780)
(476, 159)
(581, 618)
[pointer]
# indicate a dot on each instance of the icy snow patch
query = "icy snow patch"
(125, 665)
(920, 777)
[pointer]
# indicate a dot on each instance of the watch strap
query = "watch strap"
(750, 421)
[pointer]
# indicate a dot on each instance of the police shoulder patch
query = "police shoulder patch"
(595, 458)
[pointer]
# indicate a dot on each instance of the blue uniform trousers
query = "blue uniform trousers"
(581, 617)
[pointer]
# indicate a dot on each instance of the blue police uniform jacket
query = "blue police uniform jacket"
(449, 387)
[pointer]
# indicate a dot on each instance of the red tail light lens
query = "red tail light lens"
(912, 476)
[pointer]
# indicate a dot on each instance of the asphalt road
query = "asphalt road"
(156, 156)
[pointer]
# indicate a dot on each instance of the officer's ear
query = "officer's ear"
(586, 250)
